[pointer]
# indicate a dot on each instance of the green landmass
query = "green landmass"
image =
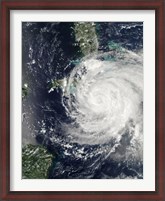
(25, 89)
(85, 35)
(36, 161)
(55, 84)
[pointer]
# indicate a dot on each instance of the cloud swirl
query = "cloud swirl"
(103, 96)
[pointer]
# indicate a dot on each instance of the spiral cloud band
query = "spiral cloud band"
(103, 97)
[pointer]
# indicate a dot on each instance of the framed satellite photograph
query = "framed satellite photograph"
(82, 100)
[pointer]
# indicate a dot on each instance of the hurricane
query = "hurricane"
(104, 98)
